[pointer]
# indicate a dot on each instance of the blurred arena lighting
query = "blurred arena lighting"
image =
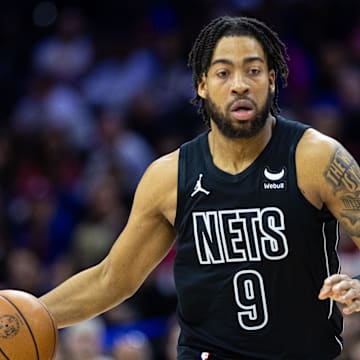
(45, 13)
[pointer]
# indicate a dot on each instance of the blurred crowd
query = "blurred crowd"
(91, 94)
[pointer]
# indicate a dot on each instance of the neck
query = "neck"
(235, 155)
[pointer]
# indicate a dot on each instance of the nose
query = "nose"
(239, 84)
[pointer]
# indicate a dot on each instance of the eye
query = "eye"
(222, 74)
(254, 71)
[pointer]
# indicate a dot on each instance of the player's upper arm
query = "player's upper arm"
(331, 173)
(149, 233)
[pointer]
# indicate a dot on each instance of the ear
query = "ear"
(272, 77)
(202, 88)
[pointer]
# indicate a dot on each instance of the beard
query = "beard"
(247, 128)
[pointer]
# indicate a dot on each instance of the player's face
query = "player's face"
(238, 88)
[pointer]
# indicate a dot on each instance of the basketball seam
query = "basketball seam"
(5, 356)
(27, 324)
(53, 327)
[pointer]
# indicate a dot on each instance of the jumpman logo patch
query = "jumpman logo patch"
(199, 188)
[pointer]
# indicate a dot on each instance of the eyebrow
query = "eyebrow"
(246, 60)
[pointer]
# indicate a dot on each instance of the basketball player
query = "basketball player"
(254, 204)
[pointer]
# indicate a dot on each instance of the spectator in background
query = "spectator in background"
(133, 345)
(120, 148)
(84, 341)
(48, 105)
(161, 108)
(24, 271)
(39, 219)
(67, 54)
(120, 72)
(104, 217)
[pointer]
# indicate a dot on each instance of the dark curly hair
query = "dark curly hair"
(202, 51)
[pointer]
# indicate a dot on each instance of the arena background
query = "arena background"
(92, 93)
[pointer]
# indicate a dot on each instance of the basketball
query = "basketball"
(27, 329)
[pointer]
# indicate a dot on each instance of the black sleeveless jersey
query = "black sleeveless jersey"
(252, 254)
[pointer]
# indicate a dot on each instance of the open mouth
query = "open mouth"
(242, 109)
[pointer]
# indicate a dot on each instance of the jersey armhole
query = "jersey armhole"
(180, 188)
(294, 176)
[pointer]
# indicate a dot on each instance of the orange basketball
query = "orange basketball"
(27, 329)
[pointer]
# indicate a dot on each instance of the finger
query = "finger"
(325, 292)
(334, 286)
(350, 296)
(336, 296)
(355, 306)
(336, 278)
(345, 285)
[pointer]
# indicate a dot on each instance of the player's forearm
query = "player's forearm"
(82, 296)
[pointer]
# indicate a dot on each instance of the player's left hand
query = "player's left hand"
(343, 289)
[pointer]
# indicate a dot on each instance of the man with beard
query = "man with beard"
(254, 204)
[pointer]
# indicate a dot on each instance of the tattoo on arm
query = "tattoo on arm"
(343, 174)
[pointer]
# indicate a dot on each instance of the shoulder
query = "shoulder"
(163, 169)
(316, 154)
(315, 145)
(313, 137)
(157, 190)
